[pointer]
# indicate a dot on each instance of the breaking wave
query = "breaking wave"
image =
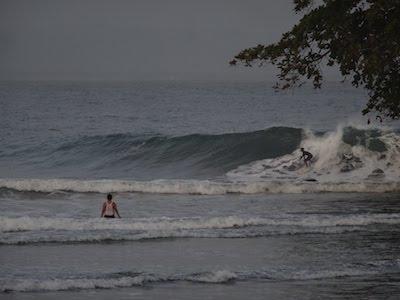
(253, 184)
(348, 155)
(118, 280)
(132, 279)
(346, 160)
(25, 230)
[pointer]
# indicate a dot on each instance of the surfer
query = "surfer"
(307, 156)
(109, 208)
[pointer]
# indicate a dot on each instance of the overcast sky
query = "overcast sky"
(136, 40)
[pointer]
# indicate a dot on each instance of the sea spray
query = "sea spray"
(341, 156)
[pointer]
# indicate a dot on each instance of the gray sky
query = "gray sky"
(136, 40)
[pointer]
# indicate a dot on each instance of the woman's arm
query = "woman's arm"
(103, 210)
(116, 210)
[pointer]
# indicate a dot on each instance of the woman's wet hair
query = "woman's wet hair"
(109, 197)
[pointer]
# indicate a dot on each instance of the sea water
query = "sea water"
(215, 201)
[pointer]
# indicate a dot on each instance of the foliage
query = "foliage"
(361, 37)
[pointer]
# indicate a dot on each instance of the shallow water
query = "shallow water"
(181, 245)
(214, 200)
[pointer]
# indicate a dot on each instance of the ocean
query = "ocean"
(215, 202)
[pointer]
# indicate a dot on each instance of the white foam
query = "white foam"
(30, 285)
(248, 185)
(57, 284)
(163, 224)
(36, 230)
(214, 277)
(150, 224)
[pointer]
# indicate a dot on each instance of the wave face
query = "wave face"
(27, 230)
(153, 156)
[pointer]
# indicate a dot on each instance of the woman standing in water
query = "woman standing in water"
(109, 208)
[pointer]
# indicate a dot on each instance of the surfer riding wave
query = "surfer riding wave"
(306, 156)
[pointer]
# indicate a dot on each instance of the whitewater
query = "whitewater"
(214, 198)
